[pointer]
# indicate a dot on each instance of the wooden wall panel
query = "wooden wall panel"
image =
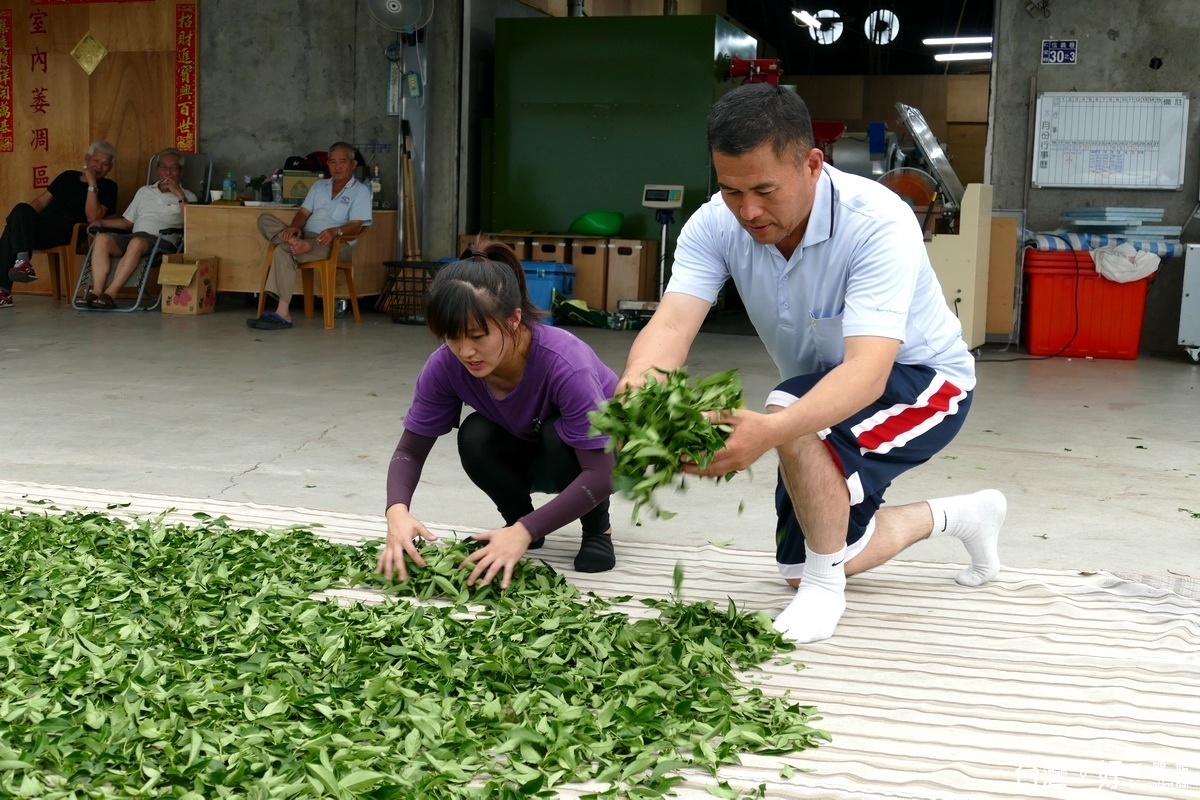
(926, 92)
(1002, 274)
(118, 87)
(128, 99)
(133, 27)
(49, 138)
(65, 26)
(965, 146)
(967, 98)
(838, 97)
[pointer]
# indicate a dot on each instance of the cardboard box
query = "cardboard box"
(189, 284)
(550, 248)
(632, 271)
(296, 185)
(590, 256)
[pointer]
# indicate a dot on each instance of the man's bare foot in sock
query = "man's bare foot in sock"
(975, 520)
(300, 246)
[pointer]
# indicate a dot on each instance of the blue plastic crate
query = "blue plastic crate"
(541, 278)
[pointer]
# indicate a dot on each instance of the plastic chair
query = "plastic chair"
(197, 174)
(138, 279)
(61, 259)
(328, 267)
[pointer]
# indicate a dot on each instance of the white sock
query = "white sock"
(819, 602)
(22, 256)
(975, 520)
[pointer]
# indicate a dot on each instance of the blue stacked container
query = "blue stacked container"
(542, 278)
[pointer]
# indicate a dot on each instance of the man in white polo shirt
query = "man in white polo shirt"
(335, 206)
(877, 378)
(156, 207)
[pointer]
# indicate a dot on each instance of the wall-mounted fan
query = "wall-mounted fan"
(831, 27)
(882, 26)
(404, 16)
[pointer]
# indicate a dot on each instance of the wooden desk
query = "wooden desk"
(231, 234)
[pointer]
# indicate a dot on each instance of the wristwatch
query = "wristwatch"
(339, 231)
(92, 188)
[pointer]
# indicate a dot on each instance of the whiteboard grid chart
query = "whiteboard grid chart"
(1125, 140)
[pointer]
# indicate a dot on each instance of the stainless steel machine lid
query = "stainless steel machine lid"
(932, 152)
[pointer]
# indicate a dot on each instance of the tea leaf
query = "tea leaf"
(657, 427)
(155, 659)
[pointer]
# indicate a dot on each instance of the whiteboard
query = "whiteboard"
(1120, 140)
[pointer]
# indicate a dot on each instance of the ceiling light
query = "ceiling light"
(982, 56)
(957, 40)
(806, 18)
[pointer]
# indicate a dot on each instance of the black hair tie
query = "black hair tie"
(480, 254)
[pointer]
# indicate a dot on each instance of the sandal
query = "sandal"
(102, 301)
(269, 321)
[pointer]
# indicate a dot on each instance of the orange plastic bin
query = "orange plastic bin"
(1074, 311)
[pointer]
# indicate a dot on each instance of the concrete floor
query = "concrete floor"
(1100, 460)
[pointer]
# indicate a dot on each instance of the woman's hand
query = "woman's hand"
(403, 530)
(502, 550)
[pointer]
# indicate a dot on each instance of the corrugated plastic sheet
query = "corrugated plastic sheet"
(1041, 684)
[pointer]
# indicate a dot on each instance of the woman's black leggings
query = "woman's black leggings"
(508, 469)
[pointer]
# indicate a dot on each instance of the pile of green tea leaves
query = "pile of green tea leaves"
(657, 427)
(148, 659)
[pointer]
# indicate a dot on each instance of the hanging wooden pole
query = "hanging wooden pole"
(412, 244)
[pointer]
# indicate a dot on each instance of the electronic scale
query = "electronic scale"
(664, 198)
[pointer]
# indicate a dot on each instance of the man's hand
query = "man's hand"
(636, 381)
(289, 233)
(403, 530)
(172, 186)
(89, 175)
(503, 550)
(326, 236)
(753, 434)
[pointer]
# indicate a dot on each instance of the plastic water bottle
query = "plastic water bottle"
(277, 188)
(376, 188)
(228, 189)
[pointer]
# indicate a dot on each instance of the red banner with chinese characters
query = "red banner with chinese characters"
(6, 82)
(186, 129)
(79, 2)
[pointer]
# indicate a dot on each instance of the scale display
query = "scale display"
(659, 195)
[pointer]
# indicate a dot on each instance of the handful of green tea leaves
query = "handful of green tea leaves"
(658, 425)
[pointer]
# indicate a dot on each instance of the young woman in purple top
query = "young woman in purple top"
(531, 387)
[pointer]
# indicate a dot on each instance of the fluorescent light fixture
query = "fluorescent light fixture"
(957, 40)
(806, 18)
(981, 56)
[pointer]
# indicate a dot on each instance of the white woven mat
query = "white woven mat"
(1040, 684)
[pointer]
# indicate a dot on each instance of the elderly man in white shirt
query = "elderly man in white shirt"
(155, 207)
(339, 205)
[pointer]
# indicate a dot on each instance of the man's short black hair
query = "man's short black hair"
(756, 114)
